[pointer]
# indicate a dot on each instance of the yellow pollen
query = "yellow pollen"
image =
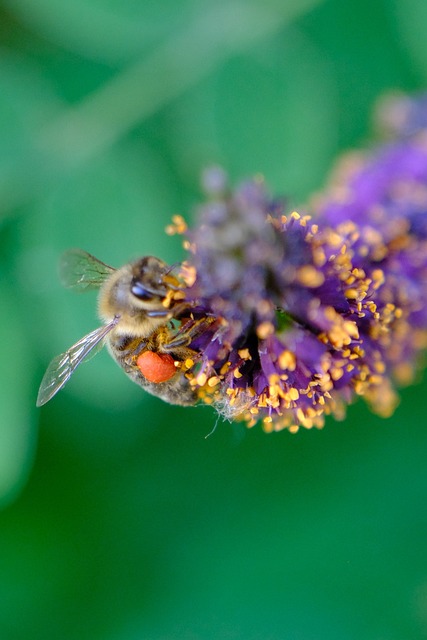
(273, 379)
(336, 373)
(225, 367)
(201, 379)
(244, 354)
(309, 276)
(379, 366)
(378, 278)
(264, 330)
(300, 415)
(178, 226)
(334, 238)
(188, 274)
(359, 273)
(166, 302)
(351, 328)
(351, 294)
(319, 256)
(262, 400)
(178, 295)
(293, 393)
(287, 360)
(404, 373)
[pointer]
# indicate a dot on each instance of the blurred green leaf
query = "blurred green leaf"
(27, 102)
(109, 32)
(289, 135)
(262, 113)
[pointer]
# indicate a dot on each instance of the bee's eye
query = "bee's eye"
(140, 292)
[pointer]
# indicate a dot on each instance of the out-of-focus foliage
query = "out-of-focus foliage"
(132, 525)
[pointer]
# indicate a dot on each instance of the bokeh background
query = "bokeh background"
(119, 520)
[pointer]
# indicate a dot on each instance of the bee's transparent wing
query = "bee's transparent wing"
(63, 366)
(80, 270)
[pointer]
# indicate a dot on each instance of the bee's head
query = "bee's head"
(149, 281)
(145, 287)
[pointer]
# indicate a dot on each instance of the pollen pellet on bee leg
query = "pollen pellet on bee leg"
(156, 367)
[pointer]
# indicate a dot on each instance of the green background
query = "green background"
(120, 521)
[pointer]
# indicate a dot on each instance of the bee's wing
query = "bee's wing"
(79, 269)
(63, 366)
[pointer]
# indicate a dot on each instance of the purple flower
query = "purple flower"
(386, 196)
(310, 312)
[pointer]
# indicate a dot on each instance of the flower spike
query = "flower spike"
(310, 312)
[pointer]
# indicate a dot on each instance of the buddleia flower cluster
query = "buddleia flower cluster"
(310, 309)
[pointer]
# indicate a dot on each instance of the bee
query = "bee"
(148, 326)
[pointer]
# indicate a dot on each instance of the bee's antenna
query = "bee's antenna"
(168, 272)
(172, 267)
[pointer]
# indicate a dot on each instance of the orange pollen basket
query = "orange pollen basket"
(156, 367)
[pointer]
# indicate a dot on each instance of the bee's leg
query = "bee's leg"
(169, 313)
(186, 334)
(159, 313)
(139, 348)
(180, 308)
(130, 346)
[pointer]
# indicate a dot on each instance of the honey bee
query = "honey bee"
(147, 328)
